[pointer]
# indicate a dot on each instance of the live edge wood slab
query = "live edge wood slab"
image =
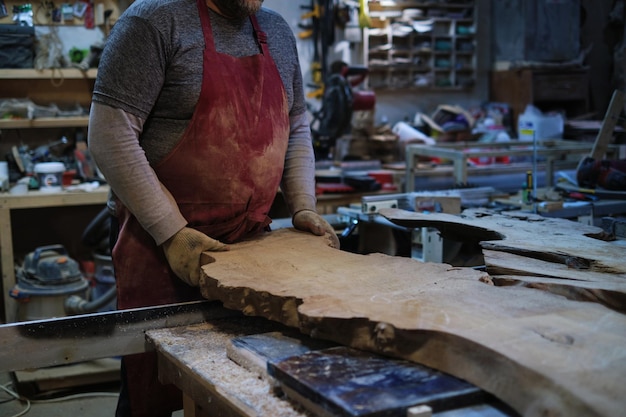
(539, 352)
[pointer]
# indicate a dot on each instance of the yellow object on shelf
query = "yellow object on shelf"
(364, 17)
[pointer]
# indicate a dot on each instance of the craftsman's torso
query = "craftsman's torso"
(165, 95)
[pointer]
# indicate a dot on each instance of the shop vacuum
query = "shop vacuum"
(51, 284)
(45, 281)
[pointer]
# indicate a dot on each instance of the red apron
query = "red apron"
(224, 174)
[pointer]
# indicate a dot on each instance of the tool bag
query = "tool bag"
(17, 46)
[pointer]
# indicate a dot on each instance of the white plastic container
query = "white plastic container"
(535, 124)
(50, 176)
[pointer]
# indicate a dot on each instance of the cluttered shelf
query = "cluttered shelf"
(37, 199)
(45, 122)
(57, 73)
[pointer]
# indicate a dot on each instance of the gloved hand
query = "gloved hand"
(310, 221)
(183, 252)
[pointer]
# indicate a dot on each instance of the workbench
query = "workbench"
(194, 358)
(33, 199)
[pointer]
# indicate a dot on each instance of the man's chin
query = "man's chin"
(238, 9)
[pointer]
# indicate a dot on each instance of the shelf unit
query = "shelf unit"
(421, 45)
(64, 85)
(59, 73)
(45, 122)
(60, 86)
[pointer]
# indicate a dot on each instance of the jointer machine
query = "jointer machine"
(232, 365)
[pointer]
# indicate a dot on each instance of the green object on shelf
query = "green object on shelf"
(443, 45)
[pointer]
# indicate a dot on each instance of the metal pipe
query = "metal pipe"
(76, 304)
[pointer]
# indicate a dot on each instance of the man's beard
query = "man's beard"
(238, 9)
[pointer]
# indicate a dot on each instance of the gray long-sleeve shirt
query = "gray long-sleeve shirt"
(148, 82)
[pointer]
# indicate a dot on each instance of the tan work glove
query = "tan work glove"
(183, 251)
(310, 221)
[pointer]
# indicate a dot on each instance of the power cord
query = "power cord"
(29, 402)
(18, 397)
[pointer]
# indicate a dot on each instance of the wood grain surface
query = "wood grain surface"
(575, 244)
(565, 257)
(539, 352)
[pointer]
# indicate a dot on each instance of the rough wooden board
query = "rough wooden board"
(582, 285)
(553, 239)
(35, 381)
(540, 353)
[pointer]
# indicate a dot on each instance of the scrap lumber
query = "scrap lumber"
(524, 233)
(540, 353)
(565, 257)
(575, 284)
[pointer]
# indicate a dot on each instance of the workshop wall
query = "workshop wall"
(557, 33)
(602, 31)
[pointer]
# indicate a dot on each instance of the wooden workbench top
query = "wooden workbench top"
(194, 359)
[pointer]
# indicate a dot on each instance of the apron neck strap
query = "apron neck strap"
(259, 35)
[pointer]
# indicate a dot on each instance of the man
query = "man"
(198, 115)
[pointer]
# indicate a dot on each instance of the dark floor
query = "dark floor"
(97, 399)
(99, 402)
(58, 392)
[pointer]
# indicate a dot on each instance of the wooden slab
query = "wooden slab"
(540, 353)
(32, 382)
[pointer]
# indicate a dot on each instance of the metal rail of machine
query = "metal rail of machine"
(554, 153)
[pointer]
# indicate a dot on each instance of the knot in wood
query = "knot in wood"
(384, 334)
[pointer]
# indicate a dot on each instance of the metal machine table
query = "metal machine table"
(552, 155)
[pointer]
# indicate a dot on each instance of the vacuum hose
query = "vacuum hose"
(78, 305)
